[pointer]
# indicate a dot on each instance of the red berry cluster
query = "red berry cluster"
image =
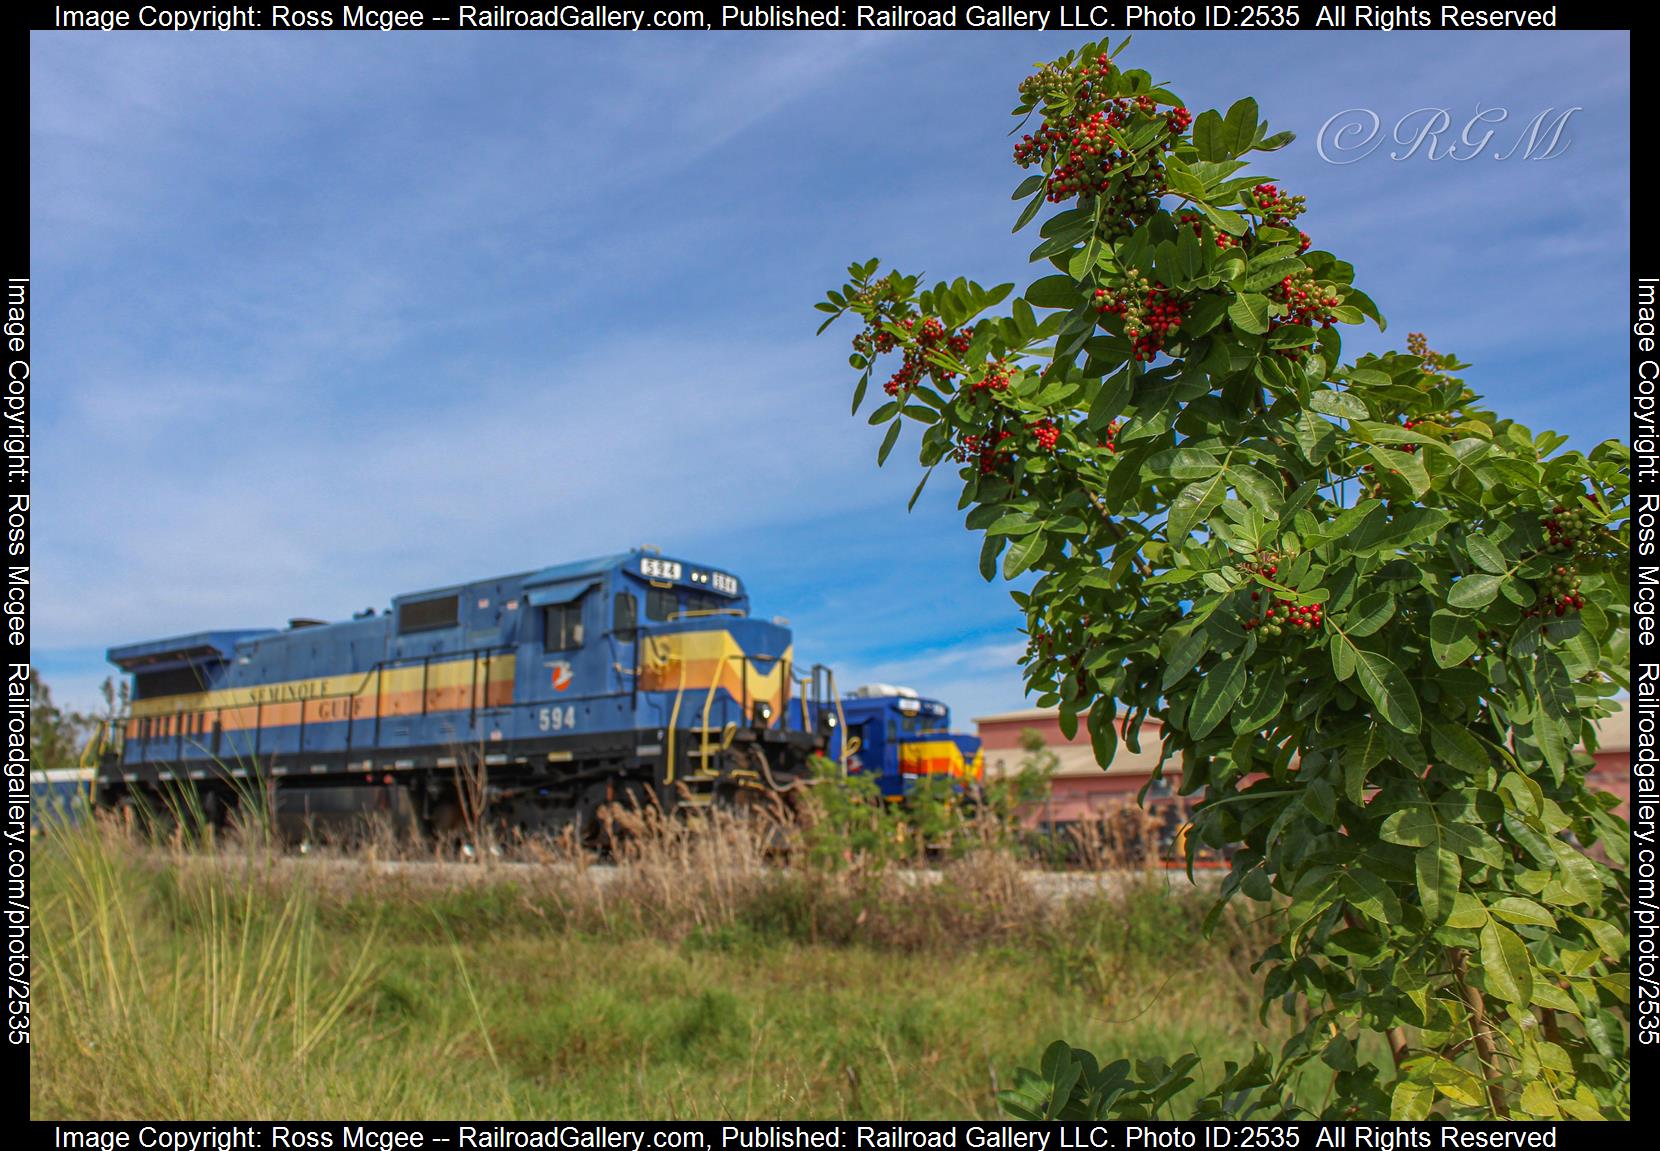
(1276, 208)
(1079, 142)
(1052, 83)
(914, 366)
(1151, 312)
(996, 378)
(1284, 614)
(1561, 591)
(1110, 440)
(987, 450)
(1046, 434)
(1197, 223)
(1307, 303)
(1565, 530)
(1409, 424)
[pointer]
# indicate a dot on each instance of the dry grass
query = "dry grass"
(712, 970)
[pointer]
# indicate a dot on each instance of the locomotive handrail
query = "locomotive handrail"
(674, 719)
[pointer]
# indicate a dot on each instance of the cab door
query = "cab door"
(622, 642)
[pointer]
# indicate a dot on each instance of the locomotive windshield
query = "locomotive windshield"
(680, 603)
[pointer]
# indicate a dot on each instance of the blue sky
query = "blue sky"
(325, 318)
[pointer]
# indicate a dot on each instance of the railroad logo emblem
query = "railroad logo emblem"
(562, 675)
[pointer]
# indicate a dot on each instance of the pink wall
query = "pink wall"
(1081, 788)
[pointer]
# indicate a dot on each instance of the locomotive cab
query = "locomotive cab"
(904, 738)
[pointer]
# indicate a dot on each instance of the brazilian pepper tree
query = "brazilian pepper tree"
(1376, 620)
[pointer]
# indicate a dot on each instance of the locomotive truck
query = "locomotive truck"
(537, 698)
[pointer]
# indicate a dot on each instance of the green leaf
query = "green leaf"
(1538, 1101)
(1467, 912)
(1209, 138)
(1345, 405)
(1013, 524)
(1275, 142)
(1369, 615)
(1193, 504)
(1269, 274)
(989, 551)
(1516, 909)
(1109, 400)
(1053, 292)
(1023, 553)
(1187, 653)
(887, 443)
(1474, 591)
(1424, 824)
(1183, 463)
(1486, 555)
(1411, 1101)
(1389, 690)
(859, 393)
(1343, 658)
(1249, 313)
(1362, 752)
(1506, 967)
(1230, 222)
(1239, 130)
(1438, 873)
(1315, 436)
(1033, 206)
(886, 412)
(1458, 748)
(920, 484)
(1409, 467)
(1321, 801)
(1452, 638)
(1103, 734)
(1257, 489)
(1218, 692)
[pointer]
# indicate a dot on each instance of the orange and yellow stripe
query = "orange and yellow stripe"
(693, 662)
(939, 757)
(447, 685)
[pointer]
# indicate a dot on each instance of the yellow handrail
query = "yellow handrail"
(841, 716)
(674, 718)
(89, 756)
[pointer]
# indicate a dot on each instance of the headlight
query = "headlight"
(763, 712)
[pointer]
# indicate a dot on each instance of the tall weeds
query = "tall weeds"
(176, 988)
(192, 973)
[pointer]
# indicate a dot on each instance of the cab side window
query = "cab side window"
(625, 616)
(564, 626)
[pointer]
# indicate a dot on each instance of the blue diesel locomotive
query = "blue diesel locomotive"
(630, 678)
(900, 739)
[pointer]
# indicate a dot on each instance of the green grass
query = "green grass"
(178, 986)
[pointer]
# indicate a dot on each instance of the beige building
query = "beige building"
(1082, 790)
